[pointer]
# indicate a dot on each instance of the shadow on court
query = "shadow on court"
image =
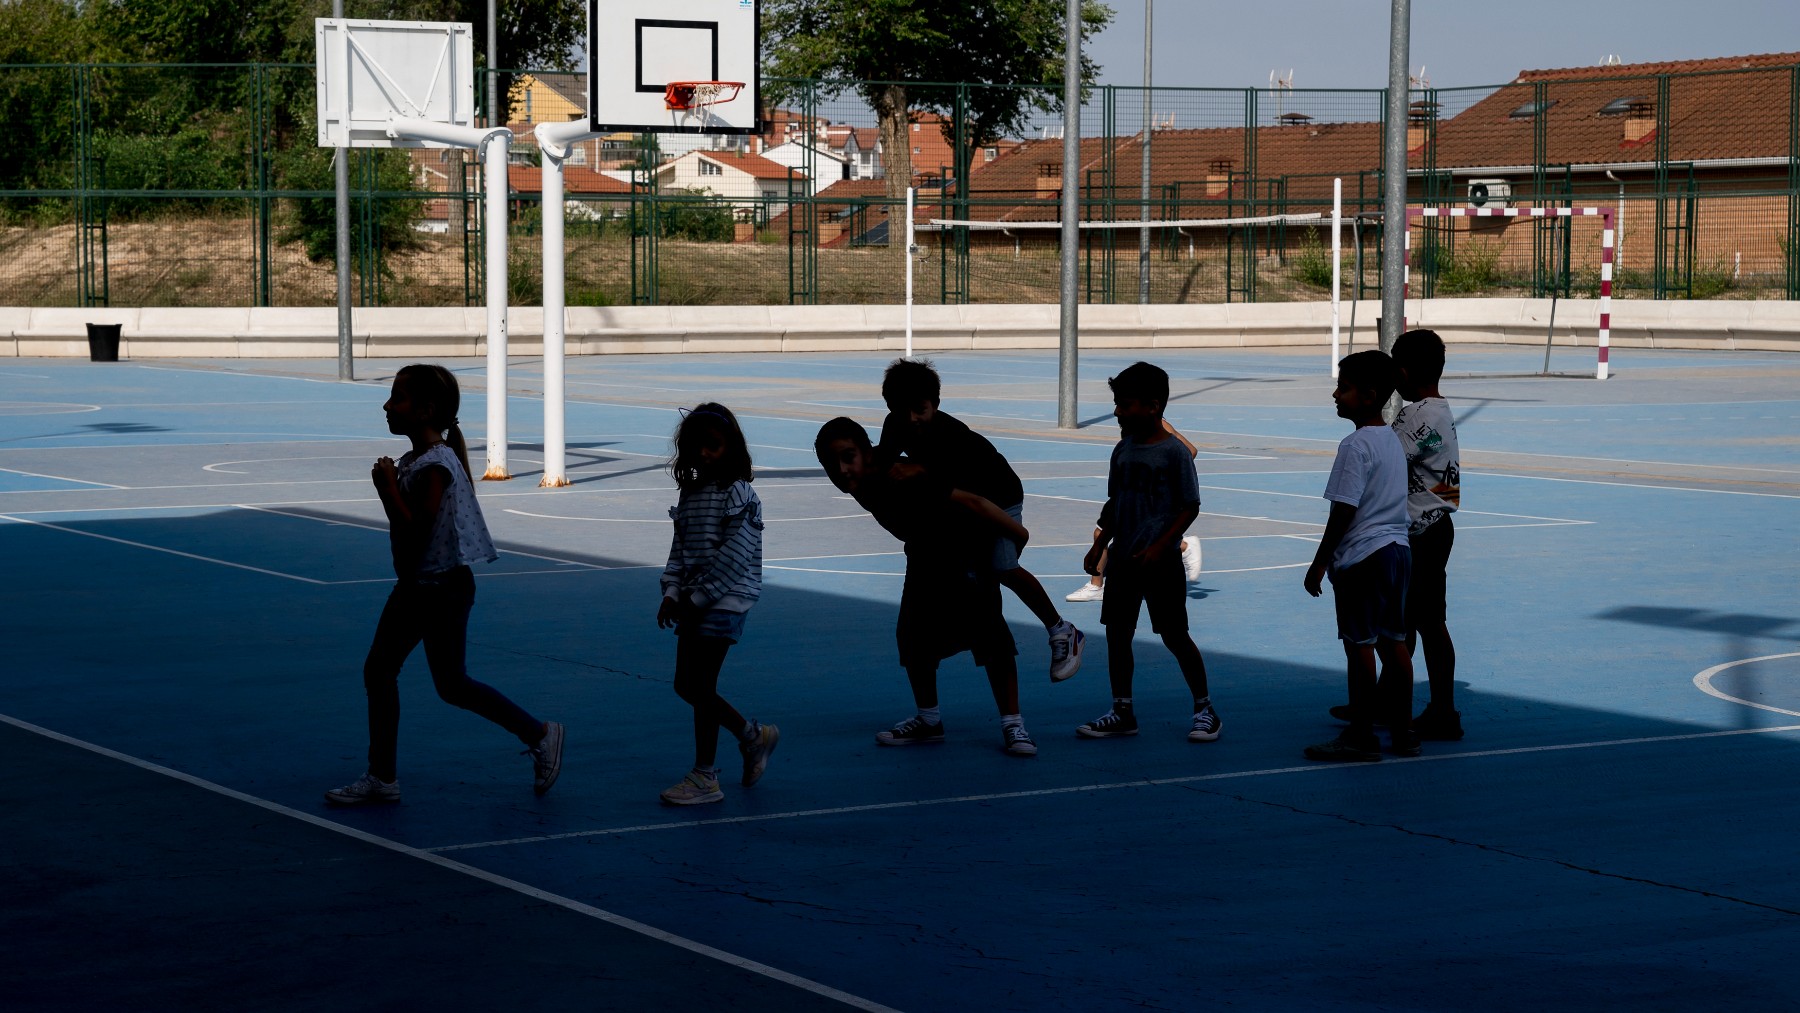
(1621, 874)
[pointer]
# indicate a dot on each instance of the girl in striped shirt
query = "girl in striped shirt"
(713, 576)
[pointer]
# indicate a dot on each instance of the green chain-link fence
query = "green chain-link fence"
(202, 185)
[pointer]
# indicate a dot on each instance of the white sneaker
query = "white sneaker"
(1065, 650)
(363, 791)
(1190, 558)
(1089, 591)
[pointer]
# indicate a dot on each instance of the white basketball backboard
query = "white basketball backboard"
(372, 71)
(637, 48)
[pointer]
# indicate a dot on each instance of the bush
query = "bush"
(1473, 267)
(1312, 264)
(312, 221)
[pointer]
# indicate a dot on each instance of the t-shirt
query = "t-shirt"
(1427, 432)
(459, 536)
(1370, 475)
(1147, 487)
(918, 511)
(715, 556)
(957, 454)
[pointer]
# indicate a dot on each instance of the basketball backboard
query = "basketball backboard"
(372, 71)
(637, 48)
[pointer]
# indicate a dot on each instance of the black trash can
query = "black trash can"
(103, 342)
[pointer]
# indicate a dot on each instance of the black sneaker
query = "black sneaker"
(1438, 725)
(1347, 748)
(911, 732)
(1108, 725)
(1403, 743)
(1017, 741)
(1341, 711)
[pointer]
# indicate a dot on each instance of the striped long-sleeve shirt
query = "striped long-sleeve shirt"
(715, 558)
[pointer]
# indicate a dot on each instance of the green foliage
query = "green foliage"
(312, 221)
(1712, 280)
(1474, 266)
(1014, 48)
(691, 215)
(1312, 264)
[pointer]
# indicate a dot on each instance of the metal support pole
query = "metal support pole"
(494, 231)
(1144, 183)
(1393, 222)
(1337, 257)
(493, 53)
(553, 140)
(1069, 331)
(911, 255)
(341, 158)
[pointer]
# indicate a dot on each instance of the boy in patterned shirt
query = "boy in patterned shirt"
(1427, 431)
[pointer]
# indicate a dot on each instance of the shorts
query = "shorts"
(716, 624)
(1371, 595)
(1006, 551)
(1427, 594)
(1162, 586)
(945, 611)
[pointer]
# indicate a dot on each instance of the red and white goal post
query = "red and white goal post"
(1606, 254)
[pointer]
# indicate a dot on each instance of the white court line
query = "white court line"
(1704, 682)
(493, 879)
(1634, 485)
(665, 520)
(158, 548)
(58, 478)
(1116, 785)
(338, 522)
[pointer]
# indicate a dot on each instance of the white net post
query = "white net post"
(1337, 257)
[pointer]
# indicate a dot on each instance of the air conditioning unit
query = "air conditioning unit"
(1489, 193)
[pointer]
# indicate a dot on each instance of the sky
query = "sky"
(1343, 43)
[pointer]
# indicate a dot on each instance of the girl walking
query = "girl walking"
(435, 530)
(713, 576)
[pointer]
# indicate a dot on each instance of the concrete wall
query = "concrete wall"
(438, 331)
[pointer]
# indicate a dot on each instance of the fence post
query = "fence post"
(1791, 250)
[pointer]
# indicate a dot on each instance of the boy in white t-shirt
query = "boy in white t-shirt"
(1366, 553)
(1427, 431)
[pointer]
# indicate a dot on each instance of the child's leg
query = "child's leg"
(1187, 655)
(1030, 591)
(1003, 679)
(1440, 663)
(697, 664)
(1360, 670)
(1120, 664)
(446, 637)
(396, 634)
(1396, 684)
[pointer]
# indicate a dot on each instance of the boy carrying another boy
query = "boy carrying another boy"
(1365, 551)
(951, 600)
(1152, 495)
(951, 450)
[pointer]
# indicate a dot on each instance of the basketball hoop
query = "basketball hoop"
(688, 95)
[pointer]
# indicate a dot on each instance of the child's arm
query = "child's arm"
(740, 549)
(1192, 450)
(666, 612)
(1342, 515)
(981, 507)
(1170, 536)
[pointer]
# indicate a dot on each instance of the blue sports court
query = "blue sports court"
(195, 561)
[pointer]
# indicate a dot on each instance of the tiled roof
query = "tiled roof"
(755, 165)
(576, 179)
(1669, 67)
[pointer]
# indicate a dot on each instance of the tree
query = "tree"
(887, 49)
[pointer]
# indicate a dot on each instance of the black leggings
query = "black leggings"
(434, 610)
(697, 663)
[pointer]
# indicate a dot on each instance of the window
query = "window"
(1630, 103)
(990, 153)
(577, 155)
(1531, 109)
(915, 149)
(711, 168)
(915, 127)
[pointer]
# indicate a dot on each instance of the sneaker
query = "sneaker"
(1065, 650)
(1206, 725)
(911, 732)
(1402, 742)
(757, 752)
(546, 758)
(1089, 591)
(1438, 724)
(1341, 712)
(694, 789)
(1347, 748)
(363, 791)
(1017, 740)
(1190, 558)
(1108, 725)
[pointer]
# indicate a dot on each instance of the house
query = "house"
(828, 166)
(750, 180)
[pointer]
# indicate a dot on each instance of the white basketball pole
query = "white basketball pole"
(491, 143)
(553, 141)
(909, 269)
(341, 175)
(1337, 257)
